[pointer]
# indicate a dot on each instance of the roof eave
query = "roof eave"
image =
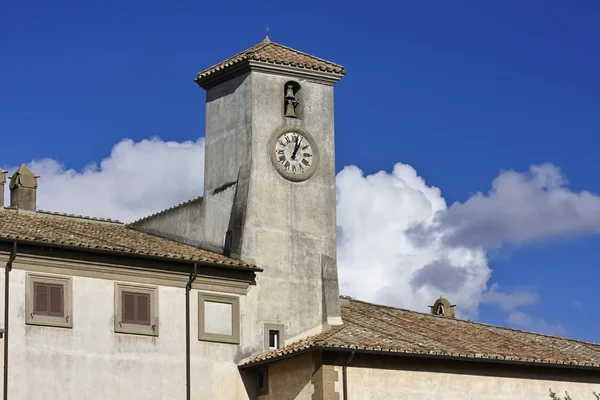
(187, 261)
(212, 79)
(421, 356)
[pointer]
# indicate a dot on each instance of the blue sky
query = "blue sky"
(460, 92)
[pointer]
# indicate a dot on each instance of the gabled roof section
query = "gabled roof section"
(268, 52)
(104, 235)
(374, 328)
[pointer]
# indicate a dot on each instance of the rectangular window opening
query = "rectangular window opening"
(48, 300)
(136, 309)
(273, 339)
(262, 381)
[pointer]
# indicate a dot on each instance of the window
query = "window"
(219, 318)
(48, 301)
(274, 334)
(136, 309)
(273, 339)
(262, 381)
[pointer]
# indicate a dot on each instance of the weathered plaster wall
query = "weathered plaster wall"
(290, 225)
(91, 361)
(184, 222)
(481, 381)
(291, 379)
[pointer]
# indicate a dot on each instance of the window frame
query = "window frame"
(280, 339)
(133, 328)
(234, 338)
(64, 321)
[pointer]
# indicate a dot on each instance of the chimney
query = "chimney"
(2, 182)
(23, 185)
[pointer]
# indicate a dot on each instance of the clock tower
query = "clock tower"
(270, 138)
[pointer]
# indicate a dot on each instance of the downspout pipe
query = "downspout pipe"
(13, 255)
(345, 375)
(188, 288)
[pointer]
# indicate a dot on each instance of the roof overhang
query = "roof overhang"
(75, 248)
(464, 358)
(246, 66)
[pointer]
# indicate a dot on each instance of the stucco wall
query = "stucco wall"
(91, 361)
(290, 225)
(291, 379)
(453, 382)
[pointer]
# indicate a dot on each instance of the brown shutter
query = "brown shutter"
(56, 301)
(128, 307)
(40, 298)
(143, 309)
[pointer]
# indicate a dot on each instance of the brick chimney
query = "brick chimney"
(23, 186)
(2, 182)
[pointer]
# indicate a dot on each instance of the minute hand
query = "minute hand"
(296, 149)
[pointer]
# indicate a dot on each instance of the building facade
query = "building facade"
(234, 295)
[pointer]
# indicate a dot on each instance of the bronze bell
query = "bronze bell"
(290, 109)
(289, 93)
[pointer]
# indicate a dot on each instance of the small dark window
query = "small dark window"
(273, 339)
(48, 299)
(135, 308)
(262, 383)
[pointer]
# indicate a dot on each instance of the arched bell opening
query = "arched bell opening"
(292, 104)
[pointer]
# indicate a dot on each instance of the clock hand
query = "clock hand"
(296, 148)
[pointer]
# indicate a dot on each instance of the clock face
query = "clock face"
(294, 155)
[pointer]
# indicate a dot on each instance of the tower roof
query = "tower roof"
(23, 177)
(268, 52)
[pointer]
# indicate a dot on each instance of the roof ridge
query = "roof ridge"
(86, 217)
(130, 224)
(468, 321)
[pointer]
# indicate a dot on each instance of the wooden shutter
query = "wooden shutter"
(128, 307)
(143, 309)
(135, 308)
(40, 298)
(48, 299)
(56, 301)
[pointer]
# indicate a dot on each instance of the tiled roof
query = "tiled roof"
(377, 328)
(85, 232)
(274, 53)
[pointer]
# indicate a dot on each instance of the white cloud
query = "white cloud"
(398, 242)
(520, 208)
(137, 179)
(379, 260)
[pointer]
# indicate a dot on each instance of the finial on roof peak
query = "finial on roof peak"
(266, 39)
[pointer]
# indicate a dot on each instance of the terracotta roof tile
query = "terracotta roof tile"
(376, 327)
(86, 232)
(271, 52)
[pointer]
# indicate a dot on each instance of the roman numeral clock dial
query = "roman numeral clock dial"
(294, 154)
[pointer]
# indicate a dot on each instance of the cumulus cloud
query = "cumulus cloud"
(379, 260)
(398, 241)
(520, 208)
(136, 180)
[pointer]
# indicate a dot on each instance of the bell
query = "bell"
(289, 93)
(290, 110)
